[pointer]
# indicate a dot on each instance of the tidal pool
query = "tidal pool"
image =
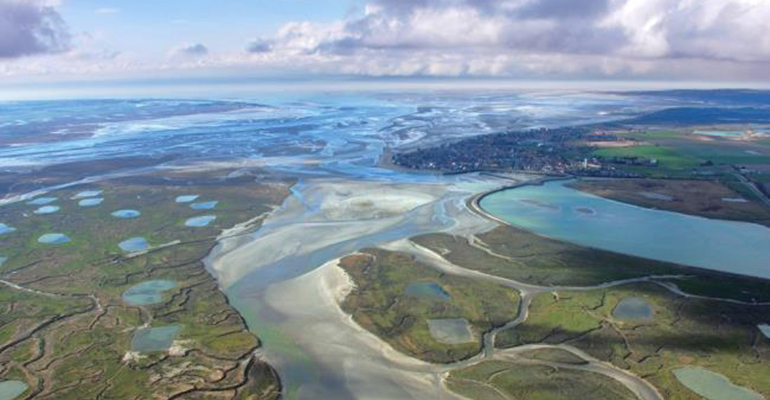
(134, 244)
(450, 331)
(53, 238)
(198, 222)
(146, 293)
(429, 290)
(126, 214)
(208, 205)
(713, 386)
(90, 202)
(41, 201)
(87, 193)
(154, 339)
(9, 390)
(731, 246)
(5, 228)
(187, 198)
(633, 309)
(47, 210)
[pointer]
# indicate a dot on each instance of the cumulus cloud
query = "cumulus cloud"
(512, 37)
(31, 27)
(190, 50)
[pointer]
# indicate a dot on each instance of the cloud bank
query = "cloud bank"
(522, 39)
(29, 28)
(539, 37)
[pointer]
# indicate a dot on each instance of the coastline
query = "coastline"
(474, 204)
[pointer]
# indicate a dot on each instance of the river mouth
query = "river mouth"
(727, 246)
(279, 280)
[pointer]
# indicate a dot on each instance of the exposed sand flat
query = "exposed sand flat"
(371, 369)
(332, 212)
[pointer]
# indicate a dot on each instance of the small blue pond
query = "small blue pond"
(450, 331)
(134, 244)
(126, 214)
(198, 222)
(633, 309)
(428, 290)
(208, 205)
(154, 339)
(91, 202)
(41, 201)
(3, 260)
(187, 198)
(87, 193)
(47, 210)
(5, 228)
(10, 390)
(53, 238)
(146, 293)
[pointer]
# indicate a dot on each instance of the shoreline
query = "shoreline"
(474, 204)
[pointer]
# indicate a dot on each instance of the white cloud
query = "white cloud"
(693, 39)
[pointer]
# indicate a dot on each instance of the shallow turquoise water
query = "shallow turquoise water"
(3, 260)
(134, 244)
(146, 293)
(5, 228)
(208, 205)
(154, 339)
(91, 202)
(47, 210)
(713, 386)
(430, 290)
(730, 246)
(53, 238)
(10, 390)
(187, 198)
(41, 201)
(126, 214)
(633, 309)
(198, 222)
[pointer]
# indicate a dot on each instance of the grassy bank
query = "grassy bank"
(381, 303)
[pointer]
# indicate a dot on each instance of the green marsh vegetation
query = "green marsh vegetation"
(66, 330)
(380, 303)
(498, 380)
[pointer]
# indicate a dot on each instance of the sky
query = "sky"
(590, 40)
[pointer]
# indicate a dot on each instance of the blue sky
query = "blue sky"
(151, 28)
(643, 40)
